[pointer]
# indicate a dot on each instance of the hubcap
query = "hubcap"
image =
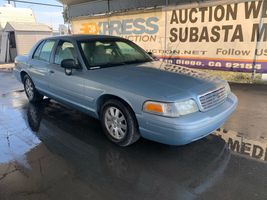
(29, 88)
(115, 123)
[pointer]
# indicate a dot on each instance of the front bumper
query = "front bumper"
(16, 73)
(188, 128)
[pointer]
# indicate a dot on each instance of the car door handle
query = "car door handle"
(51, 72)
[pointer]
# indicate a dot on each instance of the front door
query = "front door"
(69, 88)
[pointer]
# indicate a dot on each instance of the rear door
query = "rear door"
(69, 88)
(39, 64)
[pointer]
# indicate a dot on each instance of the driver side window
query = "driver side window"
(65, 50)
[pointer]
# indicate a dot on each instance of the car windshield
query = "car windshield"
(105, 53)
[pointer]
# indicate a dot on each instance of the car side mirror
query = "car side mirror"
(69, 65)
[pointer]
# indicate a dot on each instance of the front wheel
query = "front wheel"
(119, 123)
(30, 90)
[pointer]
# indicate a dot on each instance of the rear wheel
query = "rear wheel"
(30, 90)
(119, 123)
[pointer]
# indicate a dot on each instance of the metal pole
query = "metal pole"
(109, 31)
(257, 44)
(165, 37)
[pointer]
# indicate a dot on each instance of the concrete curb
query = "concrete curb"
(7, 67)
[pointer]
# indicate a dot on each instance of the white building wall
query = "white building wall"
(25, 40)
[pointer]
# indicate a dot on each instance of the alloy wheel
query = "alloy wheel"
(29, 88)
(115, 123)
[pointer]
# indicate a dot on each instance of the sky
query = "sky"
(51, 16)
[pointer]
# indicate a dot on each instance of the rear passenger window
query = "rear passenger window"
(46, 50)
(37, 51)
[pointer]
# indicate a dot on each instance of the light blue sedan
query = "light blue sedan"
(117, 82)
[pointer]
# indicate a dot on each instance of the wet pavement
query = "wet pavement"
(49, 151)
(8, 83)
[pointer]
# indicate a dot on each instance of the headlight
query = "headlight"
(186, 107)
(171, 109)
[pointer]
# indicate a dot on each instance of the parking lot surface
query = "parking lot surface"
(49, 151)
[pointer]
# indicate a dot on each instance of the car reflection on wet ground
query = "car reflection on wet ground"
(49, 151)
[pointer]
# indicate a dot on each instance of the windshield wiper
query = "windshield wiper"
(136, 61)
(107, 65)
(118, 64)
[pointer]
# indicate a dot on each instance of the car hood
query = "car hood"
(156, 80)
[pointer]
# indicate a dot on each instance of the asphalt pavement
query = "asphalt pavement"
(49, 151)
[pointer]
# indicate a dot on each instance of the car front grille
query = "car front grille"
(212, 99)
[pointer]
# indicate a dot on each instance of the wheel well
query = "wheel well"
(107, 97)
(22, 74)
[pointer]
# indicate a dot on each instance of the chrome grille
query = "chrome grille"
(211, 99)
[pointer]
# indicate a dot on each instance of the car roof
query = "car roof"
(84, 37)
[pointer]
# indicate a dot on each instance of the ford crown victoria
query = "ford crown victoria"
(117, 82)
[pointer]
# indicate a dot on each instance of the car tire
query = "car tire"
(119, 123)
(30, 90)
